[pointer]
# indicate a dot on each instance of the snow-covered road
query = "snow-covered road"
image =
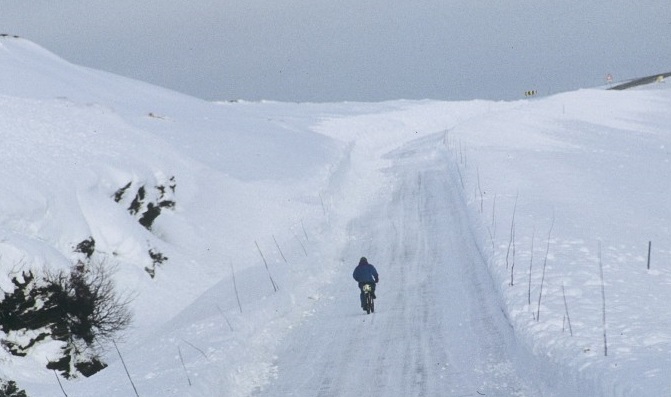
(438, 329)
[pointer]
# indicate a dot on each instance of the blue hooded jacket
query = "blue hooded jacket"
(365, 272)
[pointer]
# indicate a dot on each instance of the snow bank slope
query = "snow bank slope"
(585, 176)
(78, 147)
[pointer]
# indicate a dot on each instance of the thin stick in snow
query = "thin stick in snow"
(125, 368)
(649, 249)
(477, 170)
(280, 249)
(179, 351)
(266, 263)
(603, 306)
(494, 216)
(531, 264)
(235, 288)
(568, 318)
(545, 262)
(461, 179)
(302, 245)
(60, 384)
(491, 238)
(563, 324)
(226, 318)
(304, 232)
(512, 268)
(196, 348)
(322, 201)
(512, 231)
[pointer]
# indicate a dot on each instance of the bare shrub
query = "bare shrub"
(10, 389)
(92, 310)
(78, 306)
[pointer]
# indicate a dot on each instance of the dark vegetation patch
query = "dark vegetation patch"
(8, 388)
(146, 206)
(79, 307)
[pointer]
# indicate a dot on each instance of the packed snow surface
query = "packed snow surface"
(512, 238)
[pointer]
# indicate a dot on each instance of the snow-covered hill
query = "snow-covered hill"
(271, 204)
(73, 137)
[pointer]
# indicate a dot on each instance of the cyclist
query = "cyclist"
(365, 273)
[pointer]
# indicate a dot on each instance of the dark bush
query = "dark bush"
(157, 258)
(10, 389)
(146, 210)
(86, 296)
(118, 195)
(86, 247)
(79, 307)
(138, 201)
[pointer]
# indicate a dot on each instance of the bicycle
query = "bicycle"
(368, 299)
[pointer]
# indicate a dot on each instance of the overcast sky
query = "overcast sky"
(357, 50)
